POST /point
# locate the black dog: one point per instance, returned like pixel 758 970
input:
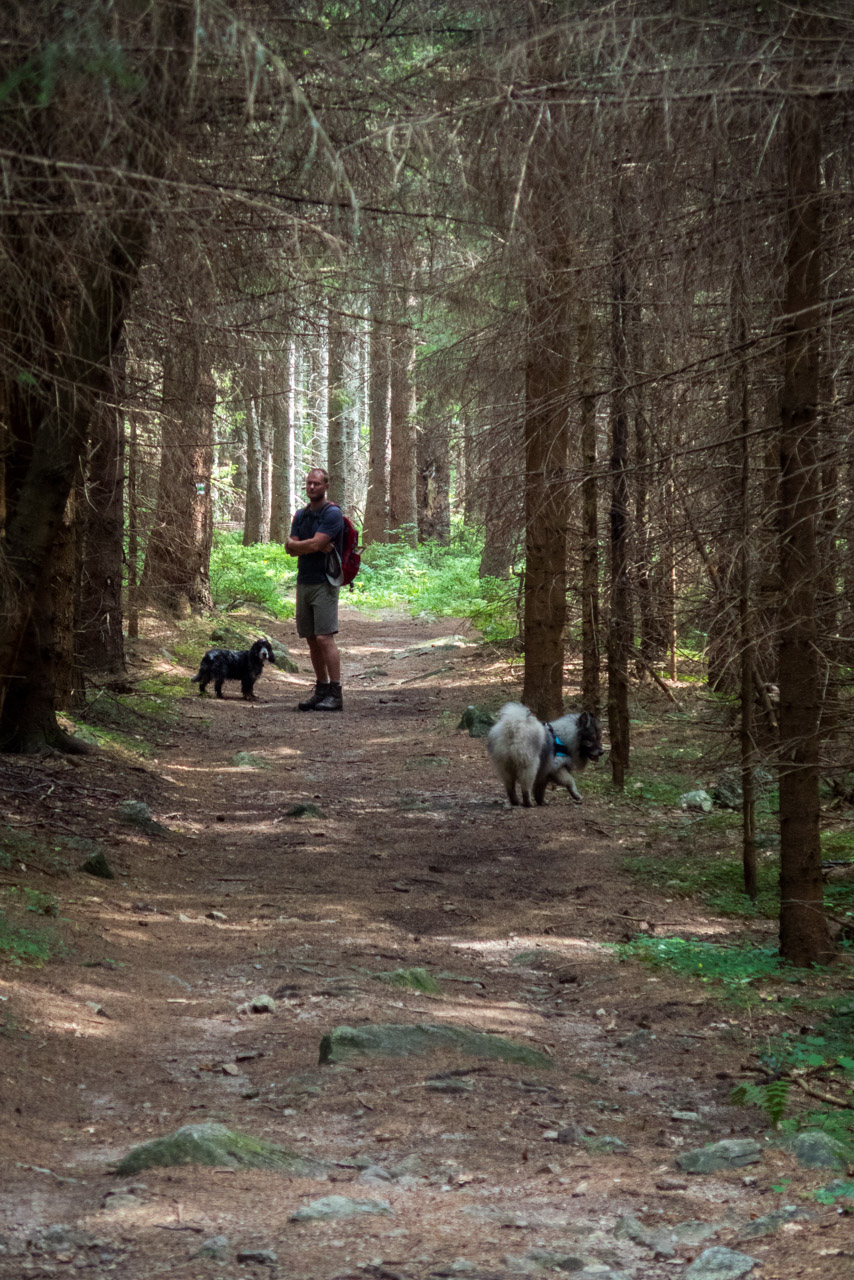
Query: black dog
pixel 244 665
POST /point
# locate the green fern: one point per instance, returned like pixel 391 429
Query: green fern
pixel 772 1097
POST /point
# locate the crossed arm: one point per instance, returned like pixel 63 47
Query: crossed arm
pixel 305 546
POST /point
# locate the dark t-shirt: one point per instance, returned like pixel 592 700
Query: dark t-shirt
pixel 306 523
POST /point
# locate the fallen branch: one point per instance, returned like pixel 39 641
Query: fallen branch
pixel 642 662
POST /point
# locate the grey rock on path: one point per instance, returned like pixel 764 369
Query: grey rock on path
pixel 731 1153
pixel 331 1208
pixel 403 1040
pixel 720 1264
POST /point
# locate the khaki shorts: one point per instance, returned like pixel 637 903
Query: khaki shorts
pixel 317 609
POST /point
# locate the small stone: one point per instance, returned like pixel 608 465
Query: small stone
pixel 216 915
pixel 697 800
pixel 213 1247
pixel 771 1222
pixel 731 1153
pixel 230 1069
pixel 719 1263
pixel 818 1150
pixel 670 1184
pixel 259 1004
pixel 375 1173
pixel 329 1208
pixel 137 814
pixel 261 1257
pixel 98 866
pixel 458 1085
pixel 690 1117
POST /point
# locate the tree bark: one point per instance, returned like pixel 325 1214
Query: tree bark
pixel 99 640
pixel 402 504
pixel 591 693
pixel 252 524
pixel 177 563
pixel 434 482
pixel 804 938
pixel 282 392
pixel 619 604
pixel 546 481
pixel 338 401
pixel 376 502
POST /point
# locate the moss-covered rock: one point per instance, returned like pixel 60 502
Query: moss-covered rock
pixel 477 720
pixel 412 979
pixel 404 1040
pixel 215 1144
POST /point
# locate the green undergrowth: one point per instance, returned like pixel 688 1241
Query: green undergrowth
pixel 263 574
pixel 734 968
pixel 26 944
pixel 442 581
pixel 717 880
pixel 56 854
pixel 821 1053
pixel 25 935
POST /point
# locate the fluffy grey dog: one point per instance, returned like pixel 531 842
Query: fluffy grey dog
pixel 533 754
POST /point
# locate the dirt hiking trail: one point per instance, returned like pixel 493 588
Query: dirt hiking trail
pixel 406 858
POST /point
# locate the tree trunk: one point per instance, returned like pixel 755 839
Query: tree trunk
pixel 177 562
pixel 99 642
pixel 265 441
pixel 133 529
pixel 402 505
pixel 317 399
pixel 804 938
pixel 546 483
pixel 434 482
pixel 252 532
pixel 64 600
pixel 619 605
pixel 337 407
pixel 740 416
pixel 281 386
pixel 62 308
pixel 376 501
pixel 591 693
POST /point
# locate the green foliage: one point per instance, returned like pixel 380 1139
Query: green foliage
pixel 44 904
pixel 717 879
pixel 734 968
pixel 438 580
pixel 771 1097
pixel 841 1189
pixel 27 945
pixel 432 579
pixel 264 574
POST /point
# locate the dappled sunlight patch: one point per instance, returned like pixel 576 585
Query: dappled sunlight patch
pixel 506 948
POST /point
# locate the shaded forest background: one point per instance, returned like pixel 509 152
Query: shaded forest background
pixel 575 282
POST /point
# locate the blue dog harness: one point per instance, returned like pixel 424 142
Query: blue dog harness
pixel 560 748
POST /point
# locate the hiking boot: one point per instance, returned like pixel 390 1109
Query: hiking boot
pixel 320 692
pixel 333 700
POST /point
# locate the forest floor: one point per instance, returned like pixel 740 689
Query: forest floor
pixel 411 859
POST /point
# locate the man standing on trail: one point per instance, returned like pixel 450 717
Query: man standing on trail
pixel 316 530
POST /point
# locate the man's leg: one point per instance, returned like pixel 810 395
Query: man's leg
pixel 318 652
pixel 334 699
pixel 305 628
pixel 325 658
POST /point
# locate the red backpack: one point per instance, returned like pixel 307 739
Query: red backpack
pixel 347 565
